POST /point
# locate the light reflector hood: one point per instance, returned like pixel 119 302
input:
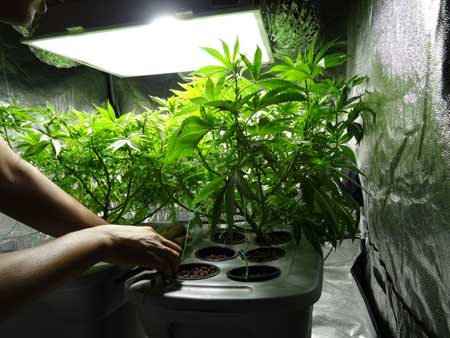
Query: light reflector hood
pixel 166 44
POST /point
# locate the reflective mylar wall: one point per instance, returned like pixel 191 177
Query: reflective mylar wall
pixel 402 46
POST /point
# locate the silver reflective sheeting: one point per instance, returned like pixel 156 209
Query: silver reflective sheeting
pixel 341 311
pixel 402 46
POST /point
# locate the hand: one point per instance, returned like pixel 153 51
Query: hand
pixel 175 233
pixel 142 246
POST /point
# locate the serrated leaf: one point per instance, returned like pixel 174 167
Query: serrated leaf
pixel 243 187
pixel 199 100
pixel 107 113
pixel 249 65
pixel 208 190
pixel 280 69
pixel 281 98
pixel 226 50
pixel 188 136
pixel 276 83
pixel 160 101
pixel 323 50
pixel 235 50
pixel 333 60
pixel 221 104
pixel 56 146
pixel 216 55
pixel 111 111
pixel 210 70
pixel 217 209
pixel 312 50
pixel 209 89
pixel 356 130
pixel 36 149
pixel 219 86
pixel 133 146
pixel 117 145
pixel 257 61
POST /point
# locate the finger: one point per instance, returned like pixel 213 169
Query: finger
pixel 155 261
pixel 178 230
pixel 171 245
pixel 165 241
pixel 170 266
pixel 168 255
pixel 173 231
pixel 180 241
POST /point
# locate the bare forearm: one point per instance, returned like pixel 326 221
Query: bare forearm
pixel 28 196
pixel 29 273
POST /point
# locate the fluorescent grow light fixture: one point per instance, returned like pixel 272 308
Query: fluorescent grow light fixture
pixel 167 44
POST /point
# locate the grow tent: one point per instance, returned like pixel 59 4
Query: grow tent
pixel 402 46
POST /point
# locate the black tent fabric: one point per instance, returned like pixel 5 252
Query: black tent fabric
pixel 29 82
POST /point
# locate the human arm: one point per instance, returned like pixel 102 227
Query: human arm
pixel 29 197
pixel 29 273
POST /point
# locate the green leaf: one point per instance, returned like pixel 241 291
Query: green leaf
pixel 208 190
pixel 221 104
pixel 257 63
pixel 210 70
pixel 107 113
pixel 247 98
pixel 188 136
pixel 219 85
pixel 133 146
pixel 216 55
pixel 36 149
pixel 56 146
pixel 160 101
pixel 288 61
pixel 312 50
pixel 235 50
pixel 280 69
pixel 217 209
pixel 356 130
pixel 249 66
pixel 333 60
pixel 281 98
pixel 209 89
pixel 226 51
pixel 243 187
pixel 199 100
pixel 117 145
pixel 323 50
pixel 272 83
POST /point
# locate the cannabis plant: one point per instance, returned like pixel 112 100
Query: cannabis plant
pixel 266 146
pixel 291 26
pixel 109 163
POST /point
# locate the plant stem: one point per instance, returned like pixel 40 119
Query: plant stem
pixel 205 163
pixel 108 179
pixel 127 199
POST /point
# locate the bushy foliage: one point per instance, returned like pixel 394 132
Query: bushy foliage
pixel 268 146
pixel 291 25
pixel 236 141
pixel 110 164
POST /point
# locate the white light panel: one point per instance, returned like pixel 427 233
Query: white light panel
pixel 165 45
